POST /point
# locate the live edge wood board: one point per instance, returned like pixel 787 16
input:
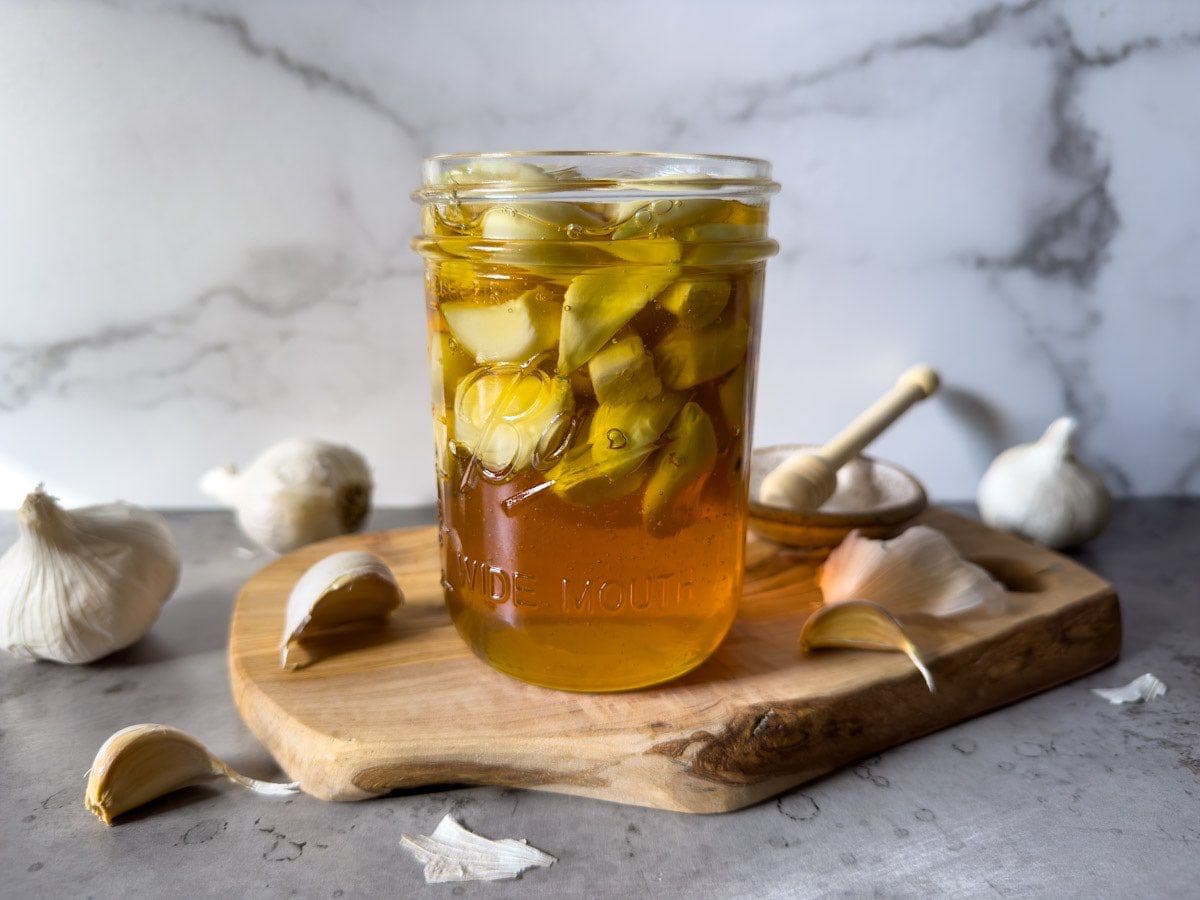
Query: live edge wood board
pixel 412 706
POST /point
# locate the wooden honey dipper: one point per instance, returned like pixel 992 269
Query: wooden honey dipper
pixel 806 480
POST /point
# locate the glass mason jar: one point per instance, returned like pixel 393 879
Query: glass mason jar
pixel 593 331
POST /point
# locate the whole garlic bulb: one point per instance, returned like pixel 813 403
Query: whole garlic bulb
pixel 296 492
pixel 81 584
pixel 1042 492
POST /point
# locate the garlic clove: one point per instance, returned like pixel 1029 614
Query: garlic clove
pixel 83 583
pixel 346 590
pixel 296 492
pixel 1041 491
pixel 144 762
pixel 860 625
pixel 452 853
pixel 918 572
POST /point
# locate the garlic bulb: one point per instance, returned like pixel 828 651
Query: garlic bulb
pixel 144 762
pixel 296 492
pixel 1042 492
pixel 80 584
pixel 346 590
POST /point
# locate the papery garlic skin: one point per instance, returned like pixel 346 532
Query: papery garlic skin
pixel 1042 492
pixel 81 584
pixel 296 492
pixel 919 572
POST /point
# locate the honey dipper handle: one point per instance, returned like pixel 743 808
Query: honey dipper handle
pixel 912 387
pixel 807 479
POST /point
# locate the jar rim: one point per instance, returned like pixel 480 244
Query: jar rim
pixel 596 175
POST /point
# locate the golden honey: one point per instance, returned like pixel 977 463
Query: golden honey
pixel 593 366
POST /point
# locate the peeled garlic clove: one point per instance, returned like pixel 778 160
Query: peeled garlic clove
pixel 686 460
pixel 623 372
pixel 501 414
pixel 696 302
pixel 918 572
pixel 1041 491
pixel 144 762
pixel 598 304
pixel 83 583
pixel 452 853
pixel 345 589
pixel 296 492
pixel 687 356
pixel 513 332
pixel 860 625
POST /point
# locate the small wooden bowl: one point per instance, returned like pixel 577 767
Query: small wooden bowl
pixel 822 531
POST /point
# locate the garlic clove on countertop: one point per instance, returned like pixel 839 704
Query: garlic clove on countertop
pixel 296 492
pixel 1041 491
pixel 345 590
pixel 83 583
pixel 144 762
pixel 919 572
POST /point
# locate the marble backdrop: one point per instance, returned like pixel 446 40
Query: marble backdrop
pixel 204 217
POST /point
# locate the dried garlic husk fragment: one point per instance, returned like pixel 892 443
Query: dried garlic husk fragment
pixel 144 762
pixel 80 584
pixel 347 590
pixel 917 573
pixel 860 625
pixel 452 853
pixel 1142 689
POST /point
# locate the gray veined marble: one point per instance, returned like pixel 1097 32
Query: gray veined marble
pixel 204 243
pixel 1060 794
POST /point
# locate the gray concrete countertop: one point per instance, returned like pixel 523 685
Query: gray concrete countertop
pixel 1059 794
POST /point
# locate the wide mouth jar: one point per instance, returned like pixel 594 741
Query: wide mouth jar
pixel 593 333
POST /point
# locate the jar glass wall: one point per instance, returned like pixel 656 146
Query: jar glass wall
pixel 593 331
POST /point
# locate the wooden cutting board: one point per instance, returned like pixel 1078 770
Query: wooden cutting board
pixel 412 706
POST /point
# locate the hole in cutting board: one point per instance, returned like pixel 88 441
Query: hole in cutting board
pixel 1016 576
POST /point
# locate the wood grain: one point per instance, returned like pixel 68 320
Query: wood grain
pixel 410 705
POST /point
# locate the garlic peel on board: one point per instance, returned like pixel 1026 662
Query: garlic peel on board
pixel 144 762
pixel 83 583
pixel 452 853
pixel 295 492
pixel 869 587
pixel 1041 491
pixel 343 590
pixel 916 573
pixel 860 625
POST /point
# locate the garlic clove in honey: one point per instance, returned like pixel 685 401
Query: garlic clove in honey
pixel 598 304
pixel 296 492
pixel 684 463
pixel 918 572
pixel 83 583
pixel 860 625
pixel 344 591
pixel 144 762
pixel 513 332
pixel 687 357
pixel 1041 491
